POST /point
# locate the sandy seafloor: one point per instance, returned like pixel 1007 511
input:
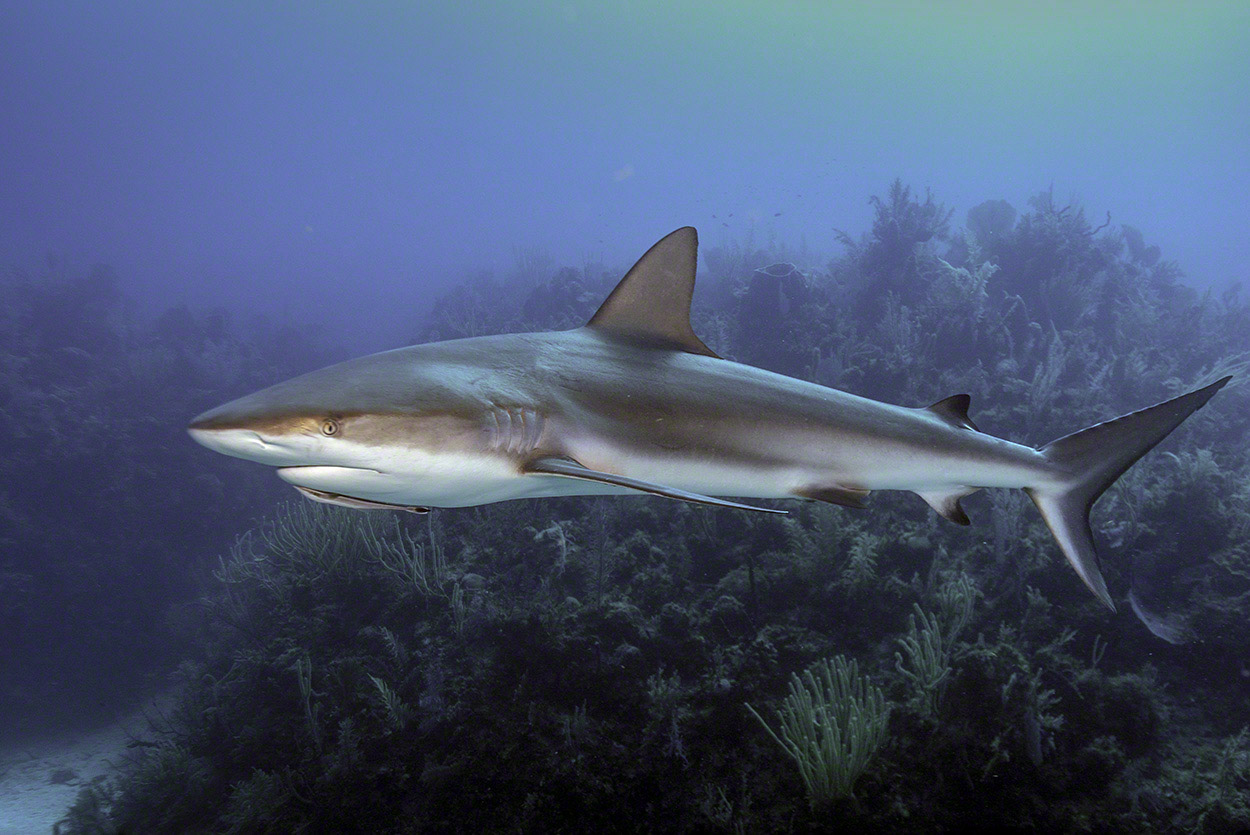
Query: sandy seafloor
pixel 31 798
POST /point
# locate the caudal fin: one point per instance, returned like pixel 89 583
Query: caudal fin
pixel 1088 462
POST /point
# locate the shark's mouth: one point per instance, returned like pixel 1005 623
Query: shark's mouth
pixel 322 476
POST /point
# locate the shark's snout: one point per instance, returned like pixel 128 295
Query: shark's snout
pixel 230 432
pixel 219 417
pixel 241 443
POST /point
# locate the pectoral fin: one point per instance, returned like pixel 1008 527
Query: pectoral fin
pixel 355 503
pixel 568 468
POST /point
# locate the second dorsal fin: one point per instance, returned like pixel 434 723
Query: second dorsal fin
pixel 652 302
pixel 954 410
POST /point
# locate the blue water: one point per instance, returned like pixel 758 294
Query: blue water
pixel 1038 206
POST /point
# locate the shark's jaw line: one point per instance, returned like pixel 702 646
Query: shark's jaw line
pixel 635 402
pixel 328 478
pixel 327 467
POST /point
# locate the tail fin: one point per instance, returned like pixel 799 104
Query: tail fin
pixel 1089 461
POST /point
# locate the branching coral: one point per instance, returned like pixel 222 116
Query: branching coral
pixel 925 660
pixel 832 724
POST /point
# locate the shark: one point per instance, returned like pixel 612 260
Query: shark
pixel 634 402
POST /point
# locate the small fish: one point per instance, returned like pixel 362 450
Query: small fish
pixel 778 214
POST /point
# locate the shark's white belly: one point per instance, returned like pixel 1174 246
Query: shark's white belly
pixel 707 476
pixel 405 477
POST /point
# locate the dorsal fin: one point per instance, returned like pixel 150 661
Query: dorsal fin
pixel 652 301
pixel 954 410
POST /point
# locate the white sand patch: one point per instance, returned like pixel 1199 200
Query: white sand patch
pixel 40 780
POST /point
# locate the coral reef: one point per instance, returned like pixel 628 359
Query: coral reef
pixel 583 664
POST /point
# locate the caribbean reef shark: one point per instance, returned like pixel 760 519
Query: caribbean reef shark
pixel 634 402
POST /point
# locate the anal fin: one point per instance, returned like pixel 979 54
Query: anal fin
pixel 834 494
pixel 568 468
pixel 946 502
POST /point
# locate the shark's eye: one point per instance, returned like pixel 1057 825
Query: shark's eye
pixel 329 426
